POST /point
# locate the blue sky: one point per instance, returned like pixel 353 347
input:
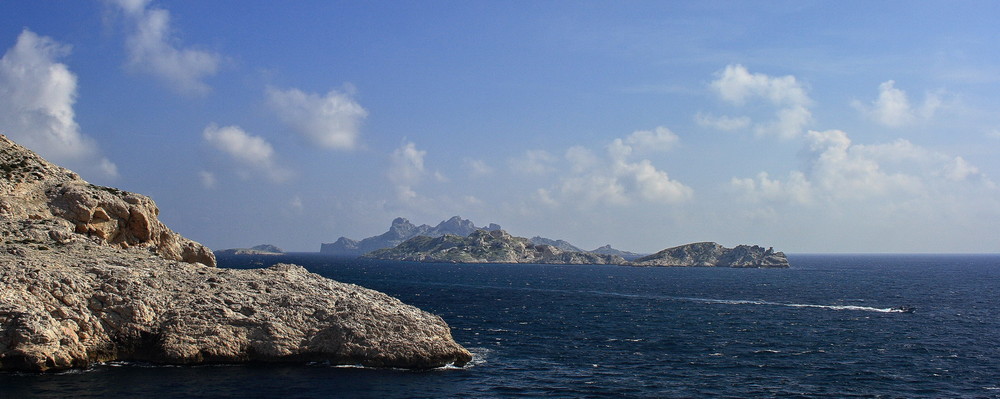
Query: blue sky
pixel 807 126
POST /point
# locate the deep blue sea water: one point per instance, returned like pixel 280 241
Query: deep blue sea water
pixel 823 328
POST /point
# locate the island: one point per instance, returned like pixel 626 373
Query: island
pixel 262 249
pixel 497 246
pixel 89 274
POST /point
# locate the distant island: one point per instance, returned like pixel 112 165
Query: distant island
pixel 401 230
pixel 262 249
pixel 497 246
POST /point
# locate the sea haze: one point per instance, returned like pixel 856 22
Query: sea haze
pixel 824 328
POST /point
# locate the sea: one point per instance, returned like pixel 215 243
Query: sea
pixel 830 326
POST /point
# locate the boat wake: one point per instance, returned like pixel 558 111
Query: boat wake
pixel 900 309
pixel 800 305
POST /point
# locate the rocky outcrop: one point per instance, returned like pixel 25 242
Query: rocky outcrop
pixel 608 250
pixel 713 254
pixel 401 230
pixel 483 246
pixel 32 188
pixel 89 274
pixel 561 244
pixel 262 249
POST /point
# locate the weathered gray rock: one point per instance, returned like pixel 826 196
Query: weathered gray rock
pixel 89 274
pixel 483 246
pixel 713 254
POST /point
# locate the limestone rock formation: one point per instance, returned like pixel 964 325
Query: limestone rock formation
pixel 89 274
pixel 32 188
pixel 483 246
pixel 713 254
pixel 401 230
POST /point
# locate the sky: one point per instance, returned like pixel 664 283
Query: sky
pixel 812 127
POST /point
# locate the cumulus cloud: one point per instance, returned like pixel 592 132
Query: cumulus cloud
pixel 726 123
pixel 616 179
pixel 534 162
pixel 736 85
pixel 331 121
pixel 892 107
pixel 249 151
pixel 207 179
pixel 151 49
pixel 406 169
pixel 839 170
pixel 659 139
pixel 37 94
pixel 478 167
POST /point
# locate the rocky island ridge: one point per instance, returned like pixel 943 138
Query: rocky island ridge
pixel 498 246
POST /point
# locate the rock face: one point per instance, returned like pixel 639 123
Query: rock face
pixel 89 274
pixel 713 254
pixel 34 189
pixel 401 230
pixel 483 246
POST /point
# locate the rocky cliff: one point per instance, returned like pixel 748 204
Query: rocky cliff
pixel 89 274
pixel 484 246
pixel 713 254
pixel 401 230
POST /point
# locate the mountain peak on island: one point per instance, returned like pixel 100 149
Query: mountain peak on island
pixel 401 230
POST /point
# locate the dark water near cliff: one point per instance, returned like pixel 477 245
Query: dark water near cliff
pixel 821 329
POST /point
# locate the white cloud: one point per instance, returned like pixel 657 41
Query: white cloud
pixel 207 179
pixel 151 49
pixel 332 121
pixel 737 85
pixel 296 204
pixel 248 150
pixel 726 123
pixel 580 158
pixel 406 169
pixel 37 94
pixel 839 170
pixel 659 139
pixel 534 162
pixel 478 167
pixel 892 107
pixel 616 180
